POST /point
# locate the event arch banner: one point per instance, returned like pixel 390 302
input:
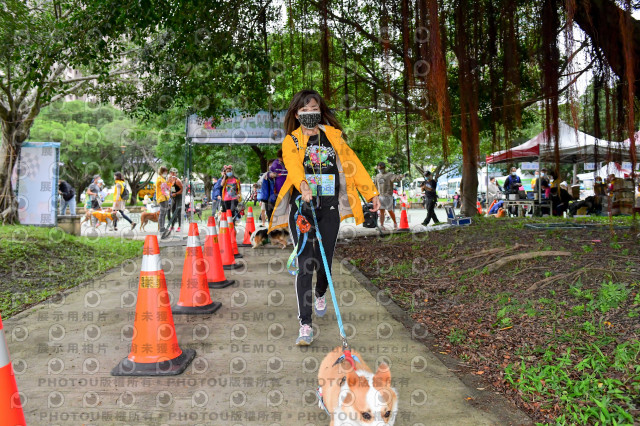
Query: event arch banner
pixel 237 129
pixel 35 179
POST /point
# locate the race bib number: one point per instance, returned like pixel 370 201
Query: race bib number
pixel 325 182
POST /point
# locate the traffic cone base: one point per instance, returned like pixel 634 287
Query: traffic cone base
pixel 221 284
pixel 204 309
pixel 232 266
pixel 171 367
pixel 238 256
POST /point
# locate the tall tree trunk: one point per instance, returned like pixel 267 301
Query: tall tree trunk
pixel 208 186
pixel 261 157
pixel 12 140
pixel 469 120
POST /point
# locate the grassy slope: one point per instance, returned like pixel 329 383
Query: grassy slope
pixel 568 353
pixel 39 262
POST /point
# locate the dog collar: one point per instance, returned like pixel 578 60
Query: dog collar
pixel 346 356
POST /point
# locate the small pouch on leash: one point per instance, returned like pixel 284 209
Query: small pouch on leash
pixel 303 226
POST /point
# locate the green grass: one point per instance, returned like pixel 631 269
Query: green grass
pixel 583 381
pixel 40 262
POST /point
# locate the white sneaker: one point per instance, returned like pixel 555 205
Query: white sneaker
pixel 306 336
pixel 321 306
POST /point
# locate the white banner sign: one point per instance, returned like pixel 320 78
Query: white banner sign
pixel 35 179
pixel 589 166
pixel 238 129
pixel 529 166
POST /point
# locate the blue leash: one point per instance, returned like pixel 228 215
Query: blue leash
pixel 296 252
pixel 345 345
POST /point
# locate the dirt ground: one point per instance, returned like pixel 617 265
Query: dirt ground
pixel 548 317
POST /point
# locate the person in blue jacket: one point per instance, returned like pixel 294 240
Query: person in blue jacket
pixel 268 194
pixel 216 196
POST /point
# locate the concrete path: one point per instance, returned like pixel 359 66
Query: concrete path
pixel 247 369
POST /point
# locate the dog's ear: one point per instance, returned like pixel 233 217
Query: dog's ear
pixel 382 378
pixel 352 378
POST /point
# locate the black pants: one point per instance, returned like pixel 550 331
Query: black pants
pixel 124 216
pixel 311 259
pixel 233 206
pixel 176 212
pixel 431 211
pixel 269 210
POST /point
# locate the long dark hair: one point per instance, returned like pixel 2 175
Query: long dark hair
pixel 301 99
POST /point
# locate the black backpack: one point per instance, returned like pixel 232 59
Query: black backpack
pixel 125 193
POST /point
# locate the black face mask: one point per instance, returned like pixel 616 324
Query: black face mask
pixel 309 120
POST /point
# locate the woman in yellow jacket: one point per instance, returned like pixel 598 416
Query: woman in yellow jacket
pixel 162 197
pixel 119 202
pixel 322 170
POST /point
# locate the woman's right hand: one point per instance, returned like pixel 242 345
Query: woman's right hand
pixel 305 191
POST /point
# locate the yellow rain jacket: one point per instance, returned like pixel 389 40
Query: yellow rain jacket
pixel 160 197
pixel 352 174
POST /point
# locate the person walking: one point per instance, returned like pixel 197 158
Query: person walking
pixel 119 202
pixel 94 193
pixel 429 187
pixel 231 191
pixel 384 182
pixel 175 194
pixel 216 194
pixel 266 186
pixel 67 197
pixel 324 171
pixel 162 197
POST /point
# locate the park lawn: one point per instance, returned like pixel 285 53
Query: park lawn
pixel 40 262
pixel 558 335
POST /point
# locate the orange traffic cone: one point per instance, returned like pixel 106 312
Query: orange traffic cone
pixel 194 291
pixel 234 236
pixel 10 403
pixel 154 348
pixel 249 228
pixel 226 249
pixel 404 222
pixel 215 272
pixel 491 206
pixel 479 207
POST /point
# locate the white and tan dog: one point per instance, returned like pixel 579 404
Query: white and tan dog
pixel 356 397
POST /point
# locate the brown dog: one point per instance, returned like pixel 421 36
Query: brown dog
pixel 146 217
pixel 356 397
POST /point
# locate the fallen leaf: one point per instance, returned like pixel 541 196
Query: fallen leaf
pixel 480 372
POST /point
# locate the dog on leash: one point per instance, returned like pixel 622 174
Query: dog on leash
pixel 107 216
pixel 356 397
pixel 148 217
pixel 277 236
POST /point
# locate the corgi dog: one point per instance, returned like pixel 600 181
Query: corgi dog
pixel 356 397
pixel 277 236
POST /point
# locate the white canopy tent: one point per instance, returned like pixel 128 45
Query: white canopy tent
pixel 574 147
pixel 611 168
